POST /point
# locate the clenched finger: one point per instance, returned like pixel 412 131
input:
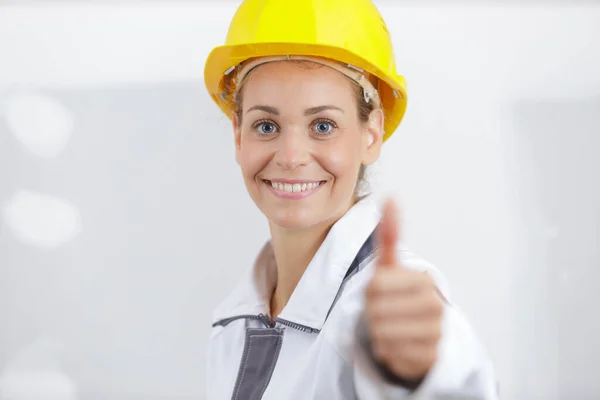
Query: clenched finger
pixel 428 329
pixel 423 304
pixel 398 280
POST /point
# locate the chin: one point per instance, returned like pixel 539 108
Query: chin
pixel 294 219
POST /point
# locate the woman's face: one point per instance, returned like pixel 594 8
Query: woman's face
pixel 300 143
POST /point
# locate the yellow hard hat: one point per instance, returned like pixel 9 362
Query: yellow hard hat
pixel 348 31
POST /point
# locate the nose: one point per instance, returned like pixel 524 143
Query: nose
pixel 293 150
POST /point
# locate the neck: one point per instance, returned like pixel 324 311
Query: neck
pixel 293 250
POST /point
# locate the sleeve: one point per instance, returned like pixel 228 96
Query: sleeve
pixel 463 370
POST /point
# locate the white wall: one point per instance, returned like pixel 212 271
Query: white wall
pixel 115 238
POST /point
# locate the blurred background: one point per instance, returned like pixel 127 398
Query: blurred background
pixel 124 219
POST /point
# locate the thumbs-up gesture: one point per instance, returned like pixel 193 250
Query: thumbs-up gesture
pixel 403 308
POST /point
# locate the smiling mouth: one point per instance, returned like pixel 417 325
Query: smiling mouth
pixel 296 187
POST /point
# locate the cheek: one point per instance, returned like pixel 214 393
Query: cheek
pixel 252 159
pixel 343 162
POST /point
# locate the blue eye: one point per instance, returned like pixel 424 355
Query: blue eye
pixel 266 128
pixel 323 127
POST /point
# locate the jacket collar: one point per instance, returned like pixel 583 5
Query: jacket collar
pixel 315 293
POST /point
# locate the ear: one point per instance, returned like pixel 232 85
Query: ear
pixel 237 136
pixel 373 137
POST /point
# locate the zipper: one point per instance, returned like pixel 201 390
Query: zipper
pixel 272 322
pixel 260 317
pixel 294 325
pixel 268 322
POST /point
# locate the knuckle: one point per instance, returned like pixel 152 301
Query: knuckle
pixel 418 276
pixel 430 333
pixel 408 275
pixel 430 356
pixel 436 336
pixel 436 305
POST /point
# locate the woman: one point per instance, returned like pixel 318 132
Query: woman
pixel 332 308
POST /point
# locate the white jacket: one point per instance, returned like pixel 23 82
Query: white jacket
pixel 313 350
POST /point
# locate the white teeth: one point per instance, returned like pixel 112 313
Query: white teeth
pixel 296 187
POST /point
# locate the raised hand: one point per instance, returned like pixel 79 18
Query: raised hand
pixel 403 308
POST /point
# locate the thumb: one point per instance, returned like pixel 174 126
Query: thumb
pixel 389 234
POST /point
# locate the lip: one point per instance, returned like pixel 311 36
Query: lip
pixel 292 181
pixel 292 195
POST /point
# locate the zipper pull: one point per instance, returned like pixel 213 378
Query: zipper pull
pixel 267 320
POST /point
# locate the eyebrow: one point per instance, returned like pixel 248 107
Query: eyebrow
pixel 267 109
pixel 316 110
pixel 309 111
